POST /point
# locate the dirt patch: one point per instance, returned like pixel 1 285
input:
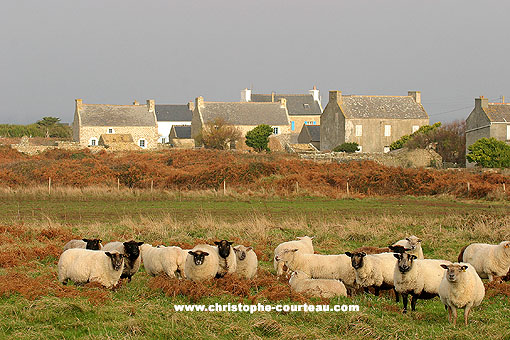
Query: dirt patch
pixel 497 288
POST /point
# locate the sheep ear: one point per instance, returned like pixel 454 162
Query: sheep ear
pixel 205 253
pixel 99 240
pixel 407 239
pixel 348 253
pixel 413 257
pixel 236 250
pixel 397 256
pixel 464 268
pixel 85 239
pixel 139 243
pixel 294 250
pixel 249 248
pixel 230 243
pixel 363 253
pixel 191 253
pixel 217 243
pixel 444 266
pixel 419 240
pixel 507 245
pixel 107 253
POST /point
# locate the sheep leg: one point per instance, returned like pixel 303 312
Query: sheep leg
pixel 491 277
pixel 449 313
pixel 376 291
pixel 404 301
pixel 466 314
pixel 454 315
pixel 414 298
pixel 397 296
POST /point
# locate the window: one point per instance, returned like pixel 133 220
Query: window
pixel 314 122
pixel 508 132
pixel 93 141
pixel 306 106
pixel 292 125
pixel 142 143
pixel 386 149
pixel 387 130
pixel 275 130
pixel 111 130
pixel 415 128
pixel 163 140
pixel 359 130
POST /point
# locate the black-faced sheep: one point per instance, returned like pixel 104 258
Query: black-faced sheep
pixel 85 243
pixel 132 251
pixel 227 259
pixel 201 263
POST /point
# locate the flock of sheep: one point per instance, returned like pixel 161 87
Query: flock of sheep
pixel 401 267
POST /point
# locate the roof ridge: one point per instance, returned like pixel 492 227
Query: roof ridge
pixel 374 95
pixel 248 103
pixel 130 105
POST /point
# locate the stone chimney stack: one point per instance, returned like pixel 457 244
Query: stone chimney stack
pixel 136 102
pixel 416 96
pixel 151 106
pixel 283 103
pixel 335 96
pixel 272 96
pixel 245 95
pixel 79 104
pixel 191 106
pixel 482 103
pixel 199 102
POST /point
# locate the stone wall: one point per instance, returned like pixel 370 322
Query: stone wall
pixel 30 148
pixel 149 133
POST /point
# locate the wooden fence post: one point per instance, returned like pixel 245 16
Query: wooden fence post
pixel 118 184
pixel 504 187
pixel 49 186
pixel 152 185
pixel 348 191
pixel 468 187
pixel 224 187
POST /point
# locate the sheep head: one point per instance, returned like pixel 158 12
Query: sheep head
pixel 223 248
pixel 454 271
pixel 356 259
pixel 198 256
pixel 117 260
pixel 404 261
pixel 92 244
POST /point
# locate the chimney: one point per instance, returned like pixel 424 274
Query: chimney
pixel 335 96
pixel 150 105
pixel 136 102
pixel 416 96
pixel 199 102
pixel 315 93
pixel 245 95
pixel 191 106
pixel 79 104
pixel 272 96
pixel 482 103
pixel 283 103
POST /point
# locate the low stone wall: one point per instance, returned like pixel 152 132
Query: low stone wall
pixel 33 148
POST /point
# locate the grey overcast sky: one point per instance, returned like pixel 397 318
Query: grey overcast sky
pixel 115 51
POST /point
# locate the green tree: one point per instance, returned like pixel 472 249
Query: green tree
pixel 422 131
pixel 347 147
pixel 47 123
pixel 489 153
pixel 218 134
pixel 258 138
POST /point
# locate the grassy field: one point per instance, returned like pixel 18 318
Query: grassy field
pixel 34 227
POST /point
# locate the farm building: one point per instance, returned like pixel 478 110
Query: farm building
pixel 310 134
pixel 180 137
pixel 93 120
pixel 374 122
pixel 170 115
pixel 488 120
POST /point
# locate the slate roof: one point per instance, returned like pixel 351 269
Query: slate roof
pixel 240 113
pixel 173 113
pixel 314 131
pixel 389 107
pixel 297 104
pixel 498 112
pixel 182 131
pixel 116 115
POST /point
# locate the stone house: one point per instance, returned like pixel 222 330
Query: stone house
pixel 374 122
pixel 170 115
pixel 488 120
pixel 91 121
pixel 303 109
pixel 180 137
pixel 243 115
pixel 310 134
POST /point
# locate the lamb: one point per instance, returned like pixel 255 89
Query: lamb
pixel 201 263
pixel 488 260
pixel 157 260
pixel 336 267
pixel 247 261
pixel 133 260
pixel 227 259
pixel 85 243
pixel 301 282
pixel 414 244
pixel 85 265
pixel 374 270
pixel 461 287
pixel 420 278
pixel 303 243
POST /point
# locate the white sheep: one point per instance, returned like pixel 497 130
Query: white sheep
pixel 304 244
pixel 85 243
pixel 375 270
pixel 412 243
pixel 157 260
pixel 460 288
pixel 84 265
pixel 336 267
pixel 247 261
pixel 201 263
pixel 227 263
pixel 488 260
pixel 132 251
pixel 300 282
pixel 420 278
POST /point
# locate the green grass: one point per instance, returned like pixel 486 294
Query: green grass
pixel 136 311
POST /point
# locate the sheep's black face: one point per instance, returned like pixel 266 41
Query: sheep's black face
pixel 92 244
pixel 198 256
pixel 132 249
pixel 405 262
pixel 223 248
pixel 356 259
pixel 241 254
pixel 453 271
pixel 117 260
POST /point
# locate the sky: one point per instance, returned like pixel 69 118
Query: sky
pixel 118 51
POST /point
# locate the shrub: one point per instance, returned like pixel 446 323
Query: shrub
pixel 422 131
pixel 218 134
pixel 347 147
pixel 258 138
pixel 489 153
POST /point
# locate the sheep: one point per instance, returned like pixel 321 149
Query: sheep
pixel 488 260
pixel 300 282
pixel 460 288
pixel 420 278
pixel 303 243
pixel 133 260
pixel 201 263
pixel 85 243
pixel 414 244
pixel 374 270
pixel 157 260
pixel 320 266
pixel 247 261
pixel 227 259
pixel 85 265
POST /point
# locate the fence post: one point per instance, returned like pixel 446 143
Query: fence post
pixel 297 186
pixel 49 186
pixel 118 184
pixel 224 187
pixel 152 185
pixel 348 191
pixel 468 187
pixel 504 187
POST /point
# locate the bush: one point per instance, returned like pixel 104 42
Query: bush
pixel 258 138
pixel 347 147
pixel 489 153
pixel 218 134
pixel 422 131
